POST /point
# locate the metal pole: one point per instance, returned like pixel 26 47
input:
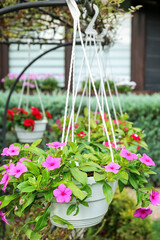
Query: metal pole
pixel 26 5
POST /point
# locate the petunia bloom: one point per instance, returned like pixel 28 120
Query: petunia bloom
pixel 48 115
pixel 28 122
pixel 107 144
pixel 62 194
pixel 55 144
pixel 128 155
pixel 3 216
pixel 18 170
pixel 81 134
pixel 52 163
pixel 5 181
pixel 142 212
pixel 24 159
pixel 135 137
pixel 147 160
pixel 5 152
pixel 154 198
pixel 36 113
pixel 12 150
pixel 8 168
pixel 112 167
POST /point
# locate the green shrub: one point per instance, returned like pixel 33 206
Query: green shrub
pixel 144 111
pixel 119 223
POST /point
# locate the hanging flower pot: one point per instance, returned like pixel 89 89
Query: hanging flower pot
pixel 87 216
pixel 29 125
pixel 29 137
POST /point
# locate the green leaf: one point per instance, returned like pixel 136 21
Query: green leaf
pixel 48 195
pixel 7 199
pixel 123 176
pixel 134 170
pixel 71 209
pixel 150 172
pixel 32 168
pixel 35 150
pixel 90 156
pixel 62 221
pixel 45 176
pixel 107 190
pixel 76 191
pixel 65 150
pixel 35 236
pixel 133 181
pixel 99 177
pixel 28 202
pixel 42 221
pixel 85 112
pixel 121 186
pixel 37 142
pixel 85 204
pixel 28 189
pixel 77 211
pixel 93 123
pixel 67 176
pixel 23 185
pixel 79 175
pixel 73 146
pixel 139 195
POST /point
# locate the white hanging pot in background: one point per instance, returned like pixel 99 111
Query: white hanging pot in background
pixel 87 216
pixel 26 136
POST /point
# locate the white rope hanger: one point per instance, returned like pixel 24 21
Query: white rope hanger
pixel 76 14
pixel 28 89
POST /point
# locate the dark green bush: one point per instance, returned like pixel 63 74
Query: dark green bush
pixel 119 223
pixel 144 111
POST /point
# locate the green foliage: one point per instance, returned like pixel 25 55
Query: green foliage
pixel 143 110
pixel 48 84
pixel 119 222
pixel 122 88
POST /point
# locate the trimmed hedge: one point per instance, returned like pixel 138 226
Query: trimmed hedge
pixel 144 111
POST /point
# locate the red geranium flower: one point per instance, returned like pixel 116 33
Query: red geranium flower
pixel 10 114
pixel 81 134
pixel 29 123
pixel 48 114
pixel 135 137
pixel 36 113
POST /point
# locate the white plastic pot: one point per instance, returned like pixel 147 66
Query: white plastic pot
pixel 26 136
pixel 87 216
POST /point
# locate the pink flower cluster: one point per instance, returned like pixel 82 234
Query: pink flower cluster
pixel 55 144
pixel 128 155
pixel 112 167
pixel 11 169
pixel 52 163
pixel 107 144
pixel 11 151
pixel 62 194
pixel 3 216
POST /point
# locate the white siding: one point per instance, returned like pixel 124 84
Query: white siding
pixel 116 58
pixel 52 62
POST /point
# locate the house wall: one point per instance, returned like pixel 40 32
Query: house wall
pixel 116 58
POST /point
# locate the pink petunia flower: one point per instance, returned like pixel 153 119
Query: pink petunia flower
pixel 3 216
pixel 24 159
pixel 12 150
pixel 112 167
pixel 55 144
pixel 8 168
pixel 154 198
pixel 52 163
pixel 142 212
pixel 128 155
pixel 147 160
pixel 5 152
pixel 107 144
pixel 18 170
pixel 5 181
pixel 62 194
